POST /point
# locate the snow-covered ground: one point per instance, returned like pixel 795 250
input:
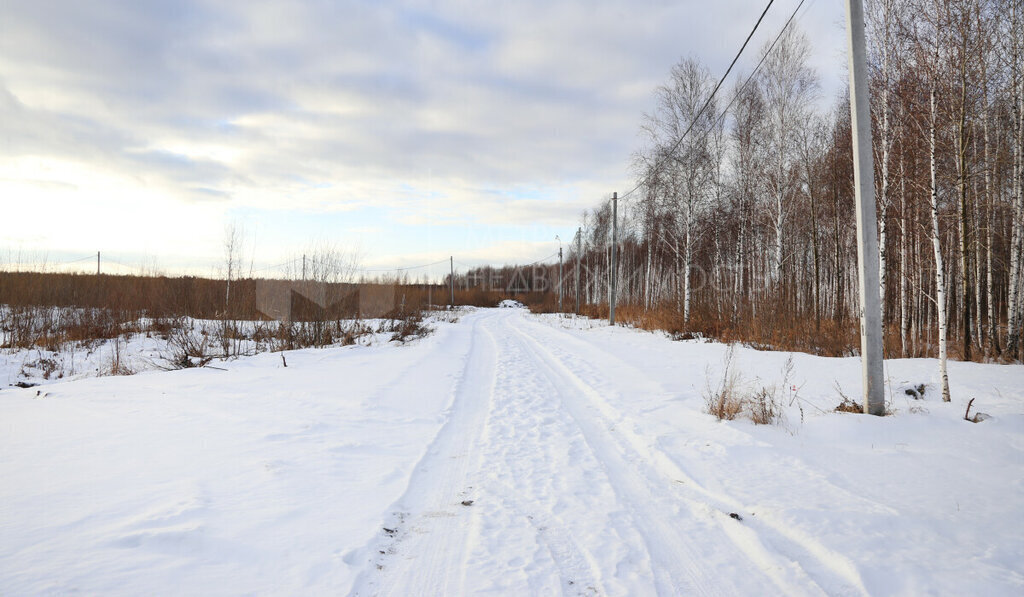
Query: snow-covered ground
pixel 148 351
pixel 511 454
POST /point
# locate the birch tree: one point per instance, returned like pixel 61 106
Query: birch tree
pixel 767 215
pixel 680 134
pixel 1013 303
pixel 789 86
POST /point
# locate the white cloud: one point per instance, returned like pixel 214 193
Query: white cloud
pixel 441 112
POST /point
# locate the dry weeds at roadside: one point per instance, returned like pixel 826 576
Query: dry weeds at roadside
pixel 729 399
pixel 849 406
pixel 118 365
pixel 770 330
pixel 724 401
pixel 62 316
pixel 763 407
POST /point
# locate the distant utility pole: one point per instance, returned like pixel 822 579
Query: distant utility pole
pixel 867 222
pixel 559 278
pixel 615 235
pixel 97 263
pixel 303 267
pixel 579 244
pixel 451 280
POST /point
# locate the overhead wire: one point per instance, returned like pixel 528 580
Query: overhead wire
pixel 75 260
pixel 761 62
pixel 401 269
pixel 260 269
pixel 125 265
pixel 555 254
pixel 703 108
pixel 738 91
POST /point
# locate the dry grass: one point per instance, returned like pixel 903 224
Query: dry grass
pixel 729 399
pixel 849 406
pixel 768 330
pixel 724 400
pixel 725 406
pixel 763 407
pixel 58 312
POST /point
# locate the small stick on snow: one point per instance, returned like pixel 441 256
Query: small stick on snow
pixel 968 411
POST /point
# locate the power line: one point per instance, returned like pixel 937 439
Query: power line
pixel 402 269
pixel 132 267
pixel 700 113
pixel 761 62
pixel 739 91
pixel 260 269
pixel 75 260
pixel 555 254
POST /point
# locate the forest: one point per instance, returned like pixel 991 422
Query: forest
pixel 741 224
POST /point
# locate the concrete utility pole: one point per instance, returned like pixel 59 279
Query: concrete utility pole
pixel 97 263
pixel 579 246
pixel 451 279
pixel 615 236
pixel 867 222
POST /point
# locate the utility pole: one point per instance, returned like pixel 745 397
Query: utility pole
pixel 579 246
pixel 867 222
pixel 615 236
pixel 303 267
pixel 97 263
pixel 559 278
pixel 451 278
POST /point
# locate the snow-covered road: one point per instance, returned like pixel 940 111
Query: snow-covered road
pixel 508 454
pixel 568 497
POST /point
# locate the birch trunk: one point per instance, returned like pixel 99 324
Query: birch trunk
pixel 686 271
pixel 648 282
pixel 904 271
pixel 940 281
pixel 777 262
pixel 883 196
pixel 1017 236
pixel 814 242
pixel 993 338
pixel 965 260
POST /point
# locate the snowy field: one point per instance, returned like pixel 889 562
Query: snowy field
pixel 511 454
pixel 148 351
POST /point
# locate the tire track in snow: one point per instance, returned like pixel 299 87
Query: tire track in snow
pixel 529 476
pixel 576 567
pixel 426 552
pixel 762 539
pixel 676 562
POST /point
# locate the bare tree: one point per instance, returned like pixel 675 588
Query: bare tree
pixel 1014 303
pixel 790 87
pixel 680 135
pixel 234 236
pixel 884 18
pixel 764 208
pixel 748 143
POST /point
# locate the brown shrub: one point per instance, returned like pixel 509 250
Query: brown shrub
pixel 849 406
pixel 763 407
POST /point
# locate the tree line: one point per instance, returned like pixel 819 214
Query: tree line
pixel 743 215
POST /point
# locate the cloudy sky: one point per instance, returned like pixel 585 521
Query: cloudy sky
pixel 406 131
